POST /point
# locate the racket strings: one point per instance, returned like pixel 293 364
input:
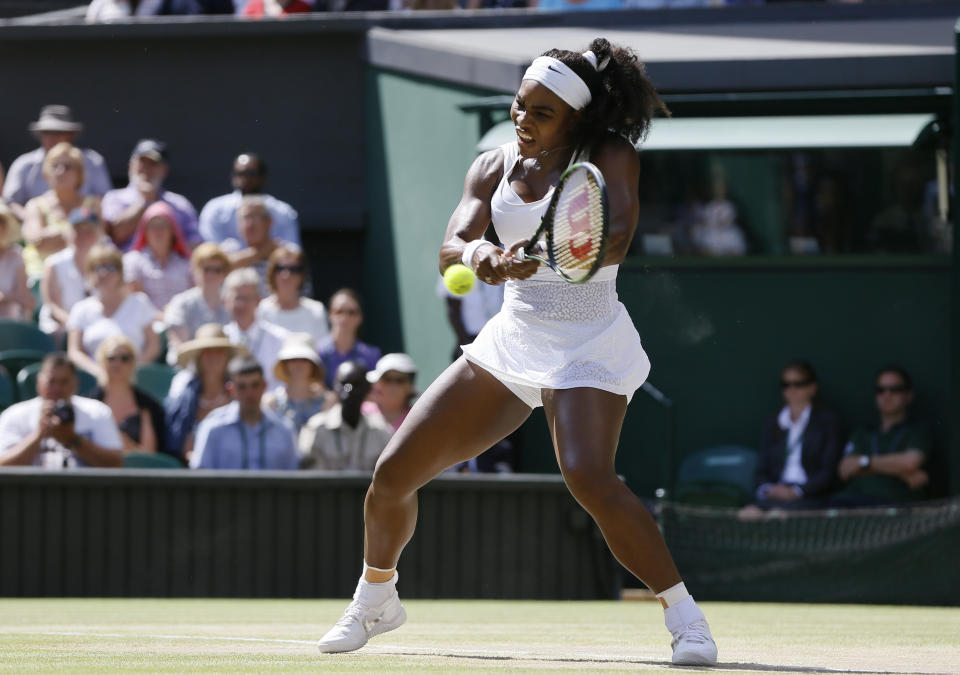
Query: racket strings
pixel 578 227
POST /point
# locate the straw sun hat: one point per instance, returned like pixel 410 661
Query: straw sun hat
pixel 208 336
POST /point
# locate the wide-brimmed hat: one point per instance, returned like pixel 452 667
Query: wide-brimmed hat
pixel 55 118
pixel 12 233
pixel 397 361
pixel 208 336
pixel 299 346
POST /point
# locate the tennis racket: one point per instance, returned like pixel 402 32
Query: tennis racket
pixel 572 236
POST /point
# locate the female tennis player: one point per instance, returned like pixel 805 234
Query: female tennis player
pixel 571 348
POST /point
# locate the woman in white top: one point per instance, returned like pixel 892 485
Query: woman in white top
pixel 16 302
pixel 569 347
pixel 286 307
pixel 111 310
pixel 64 284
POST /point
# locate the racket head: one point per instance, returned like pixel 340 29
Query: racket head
pixel 577 223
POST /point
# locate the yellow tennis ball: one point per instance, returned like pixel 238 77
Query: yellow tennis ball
pixel 459 279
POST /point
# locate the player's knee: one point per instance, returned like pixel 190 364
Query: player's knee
pixel 390 480
pixel 587 481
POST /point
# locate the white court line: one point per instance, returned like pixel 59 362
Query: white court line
pixel 384 648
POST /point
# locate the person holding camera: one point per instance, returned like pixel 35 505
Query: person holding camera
pixel 59 429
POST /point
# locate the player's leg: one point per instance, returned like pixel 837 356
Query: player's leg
pixel 465 411
pixel 585 426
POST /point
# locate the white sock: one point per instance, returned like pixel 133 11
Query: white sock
pixel 375 593
pixel 673 595
pixel 682 614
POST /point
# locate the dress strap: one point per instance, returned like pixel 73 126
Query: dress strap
pixel 510 154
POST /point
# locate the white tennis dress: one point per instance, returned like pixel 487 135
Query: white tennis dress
pixel 549 333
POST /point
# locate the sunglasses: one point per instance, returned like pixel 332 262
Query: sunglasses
pixel 122 358
pixel 348 312
pixel 247 173
pixel 292 269
pixel 395 379
pixel 898 389
pixel 795 384
pixel 105 268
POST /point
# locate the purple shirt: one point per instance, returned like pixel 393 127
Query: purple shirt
pixel 366 355
pixel 115 202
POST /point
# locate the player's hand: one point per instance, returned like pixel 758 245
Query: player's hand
pixel 517 267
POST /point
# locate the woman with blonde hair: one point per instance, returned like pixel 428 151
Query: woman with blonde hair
pixel 192 308
pixel 138 416
pixel 112 310
pixel 16 302
pixel 46 223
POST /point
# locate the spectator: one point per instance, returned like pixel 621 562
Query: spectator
pixel 575 5
pixel 467 314
pixel 58 429
pixel 158 260
pixel 885 465
pixel 111 310
pixel 218 219
pixel 102 11
pixel 346 317
pixel 16 301
pixel 800 446
pixel 192 308
pixel 264 340
pixel 392 393
pixel 139 418
pixel 244 434
pixel 301 394
pixel 26 179
pixel 255 221
pixel 63 284
pixel 123 208
pixel 200 387
pixel 274 8
pixel 718 233
pixel 46 220
pixel 343 438
pixel 287 307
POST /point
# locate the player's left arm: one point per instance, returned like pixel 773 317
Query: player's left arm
pixel 618 162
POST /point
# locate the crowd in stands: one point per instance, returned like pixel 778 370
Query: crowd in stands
pixel 114 10
pixel 258 374
pixel 807 460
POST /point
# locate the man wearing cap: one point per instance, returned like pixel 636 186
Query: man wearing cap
pixel 25 179
pixel 343 438
pixel 123 208
pixel 218 219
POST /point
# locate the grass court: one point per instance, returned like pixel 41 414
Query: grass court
pixel 151 635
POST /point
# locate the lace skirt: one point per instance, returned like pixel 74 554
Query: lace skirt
pixel 554 335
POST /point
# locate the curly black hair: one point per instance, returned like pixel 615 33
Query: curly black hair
pixel 623 99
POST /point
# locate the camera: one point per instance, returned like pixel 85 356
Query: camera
pixel 63 410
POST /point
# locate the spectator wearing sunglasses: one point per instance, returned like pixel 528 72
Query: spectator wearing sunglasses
pixel 139 418
pixel 286 306
pixel 218 219
pixel 885 465
pixel 800 446
pixel 112 309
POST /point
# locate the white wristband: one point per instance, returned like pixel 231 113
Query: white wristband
pixel 470 250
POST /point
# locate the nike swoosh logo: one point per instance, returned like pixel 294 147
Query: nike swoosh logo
pixel 549 67
pixel 370 623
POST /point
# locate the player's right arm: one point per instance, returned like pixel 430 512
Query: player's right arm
pixel 470 220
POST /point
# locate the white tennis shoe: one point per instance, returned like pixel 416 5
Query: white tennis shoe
pixel 360 622
pixel 693 645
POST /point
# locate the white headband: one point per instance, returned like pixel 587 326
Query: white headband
pixel 561 80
